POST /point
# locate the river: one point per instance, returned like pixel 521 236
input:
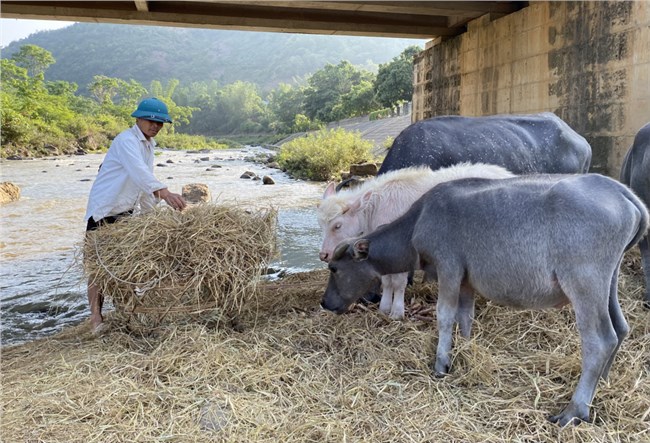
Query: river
pixel 42 288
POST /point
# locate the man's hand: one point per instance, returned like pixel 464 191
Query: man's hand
pixel 176 201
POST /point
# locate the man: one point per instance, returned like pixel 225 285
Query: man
pixel 125 183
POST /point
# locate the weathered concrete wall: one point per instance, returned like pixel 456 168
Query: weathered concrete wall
pixel 588 62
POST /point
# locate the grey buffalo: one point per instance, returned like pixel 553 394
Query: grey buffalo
pixel 348 213
pixel 636 174
pixel 530 242
pixel 523 144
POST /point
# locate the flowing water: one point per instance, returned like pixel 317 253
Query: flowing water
pixel 42 288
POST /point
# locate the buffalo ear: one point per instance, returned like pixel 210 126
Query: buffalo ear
pixel 340 251
pixel 360 249
pixel 330 190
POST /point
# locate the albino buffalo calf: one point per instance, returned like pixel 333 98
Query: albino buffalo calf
pixel 532 242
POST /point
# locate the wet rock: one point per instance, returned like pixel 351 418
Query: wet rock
pixel 9 192
pixel 216 166
pixel 162 165
pixel 268 180
pixel 85 180
pixel 196 193
pixel 170 161
pixel 248 175
pixel 14 157
pixel 273 165
pixel 205 159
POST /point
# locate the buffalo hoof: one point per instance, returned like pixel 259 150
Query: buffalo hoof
pixel 571 415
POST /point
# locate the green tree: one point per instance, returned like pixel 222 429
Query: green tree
pixel 359 101
pixel 394 81
pixel 34 59
pixel 243 108
pixel 327 86
pixel 284 104
pixel 180 114
pixel 115 91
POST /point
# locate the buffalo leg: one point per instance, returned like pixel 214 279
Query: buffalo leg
pixel 446 311
pixel 618 320
pixel 465 314
pixel 598 340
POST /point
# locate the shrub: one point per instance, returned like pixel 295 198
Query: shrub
pixel 186 142
pixel 322 155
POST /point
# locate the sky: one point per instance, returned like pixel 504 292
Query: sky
pixel 12 29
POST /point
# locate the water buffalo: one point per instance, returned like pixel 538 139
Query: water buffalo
pixel 636 174
pixel 357 211
pixel 533 242
pixel 523 144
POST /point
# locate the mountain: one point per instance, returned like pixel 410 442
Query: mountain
pixel 146 53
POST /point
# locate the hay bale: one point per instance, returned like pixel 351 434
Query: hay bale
pixel 206 258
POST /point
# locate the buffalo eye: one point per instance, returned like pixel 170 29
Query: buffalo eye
pixel 337 226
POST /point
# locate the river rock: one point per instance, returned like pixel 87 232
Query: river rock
pixel 268 180
pixel 248 174
pixel 9 192
pixel 196 193
pixel 363 169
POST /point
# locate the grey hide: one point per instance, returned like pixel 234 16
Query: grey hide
pixel 523 144
pixel 636 174
pixel 530 242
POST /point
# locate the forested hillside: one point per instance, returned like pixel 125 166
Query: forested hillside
pixel 143 53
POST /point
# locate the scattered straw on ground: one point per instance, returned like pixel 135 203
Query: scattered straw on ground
pixel 293 373
pixel 208 257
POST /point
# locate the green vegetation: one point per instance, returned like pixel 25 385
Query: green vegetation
pixel 395 79
pixel 51 117
pixel 188 142
pixel 144 53
pixel 42 117
pixel 324 154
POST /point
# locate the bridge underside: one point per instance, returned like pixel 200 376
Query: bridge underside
pixel 407 19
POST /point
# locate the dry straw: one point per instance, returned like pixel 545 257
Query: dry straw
pixel 167 263
pixel 294 373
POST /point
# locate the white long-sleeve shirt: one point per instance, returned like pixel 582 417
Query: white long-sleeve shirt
pixel 125 180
